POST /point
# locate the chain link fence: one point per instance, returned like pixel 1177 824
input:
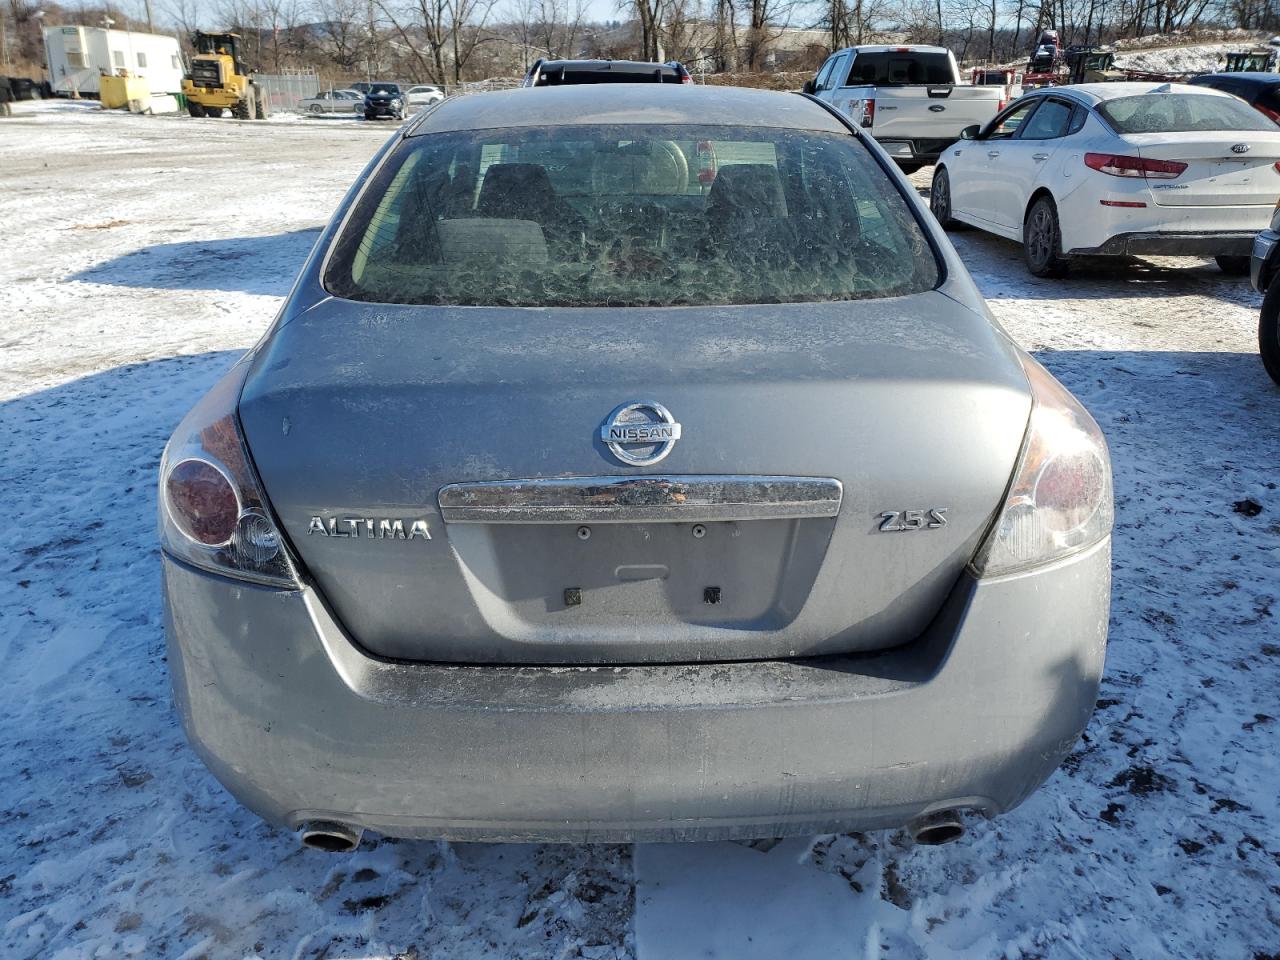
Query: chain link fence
pixel 285 91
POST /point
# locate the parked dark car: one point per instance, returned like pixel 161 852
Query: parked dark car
pixel 554 73
pixel 1260 90
pixel 1264 271
pixel 384 100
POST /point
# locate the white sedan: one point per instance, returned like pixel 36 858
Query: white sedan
pixel 1119 169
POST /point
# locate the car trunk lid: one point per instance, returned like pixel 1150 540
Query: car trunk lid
pixel 790 517
pixel 1224 168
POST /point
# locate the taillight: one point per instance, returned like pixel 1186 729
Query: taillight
pixel 202 501
pixel 213 514
pixel 1117 165
pixel 1060 501
pixel 864 111
pixel 1267 112
pixel 1001 104
pixel 686 79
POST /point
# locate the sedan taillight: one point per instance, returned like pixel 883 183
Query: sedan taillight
pixel 1117 165
pixel 213 513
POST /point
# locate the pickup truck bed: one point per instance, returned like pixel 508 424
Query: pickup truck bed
pixel 908 98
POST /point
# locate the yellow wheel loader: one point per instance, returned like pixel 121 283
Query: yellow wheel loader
pixel 218 80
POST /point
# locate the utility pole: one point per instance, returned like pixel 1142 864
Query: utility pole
pixel 151 27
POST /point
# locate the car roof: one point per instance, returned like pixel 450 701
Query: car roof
pixel 620 65
pixel 1249 76
pixel 1094 93
pixel 627 103
pixel 896 48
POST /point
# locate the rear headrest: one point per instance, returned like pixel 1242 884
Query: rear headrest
pixel 746 188
pixel 511 187
pixel 476 240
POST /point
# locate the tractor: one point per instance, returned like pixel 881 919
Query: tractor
pixel 1252 61
pixel 218 80
pixel 1093 65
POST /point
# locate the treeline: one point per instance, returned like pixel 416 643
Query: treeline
pixel 451 41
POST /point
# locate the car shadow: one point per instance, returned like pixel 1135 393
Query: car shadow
pixel 112 815
pixel 259 265
pixel 997 265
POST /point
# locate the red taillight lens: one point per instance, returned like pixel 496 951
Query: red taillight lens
pixel 1069 489
pixel 868 112
pixel 1116 165
pixel 1000 105
pixel 686 79
pixel 203 502
pixel 1267 112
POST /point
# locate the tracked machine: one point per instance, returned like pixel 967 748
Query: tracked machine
pixel 218 80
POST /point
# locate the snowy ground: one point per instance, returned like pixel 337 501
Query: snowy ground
pixel 141 255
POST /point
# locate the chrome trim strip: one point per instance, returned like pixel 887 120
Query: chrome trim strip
pixel 669 499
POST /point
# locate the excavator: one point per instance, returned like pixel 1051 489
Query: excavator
pixel 218 80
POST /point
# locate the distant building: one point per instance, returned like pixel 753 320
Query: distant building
pixel 77 56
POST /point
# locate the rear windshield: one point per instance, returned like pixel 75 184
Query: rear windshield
pixel 889 68
pixel 554 76
pixel 384 88
pixel 583 216
pixel 1181 113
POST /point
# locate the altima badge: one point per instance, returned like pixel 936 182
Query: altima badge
pixel 371 528
pixel 640 433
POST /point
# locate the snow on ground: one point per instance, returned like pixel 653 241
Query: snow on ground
pixel 1192 58
pixel 142 255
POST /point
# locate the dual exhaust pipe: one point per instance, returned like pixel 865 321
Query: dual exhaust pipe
pixel 931 830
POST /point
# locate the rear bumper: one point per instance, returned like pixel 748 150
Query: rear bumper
pixel 1264 261
pixel 300 724
pixel 916 150
pixel 1173 244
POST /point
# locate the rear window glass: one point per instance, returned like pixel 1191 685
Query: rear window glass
pixel 889 68
pixel 554 76
pixel 630 216
pixel 1181 113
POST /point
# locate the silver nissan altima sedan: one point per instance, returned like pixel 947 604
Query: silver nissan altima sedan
pixel 634 463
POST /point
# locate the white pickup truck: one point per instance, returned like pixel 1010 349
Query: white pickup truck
pixel 908 98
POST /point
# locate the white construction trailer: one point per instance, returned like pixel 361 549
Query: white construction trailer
pixel 78 56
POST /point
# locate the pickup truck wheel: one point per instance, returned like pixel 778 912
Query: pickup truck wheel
pixel 1269 331
pixel 1233 266
pixel 1042 240
pixel 940 198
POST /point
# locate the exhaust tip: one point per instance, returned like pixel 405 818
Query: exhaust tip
pixel 330 837
pixel 935 829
